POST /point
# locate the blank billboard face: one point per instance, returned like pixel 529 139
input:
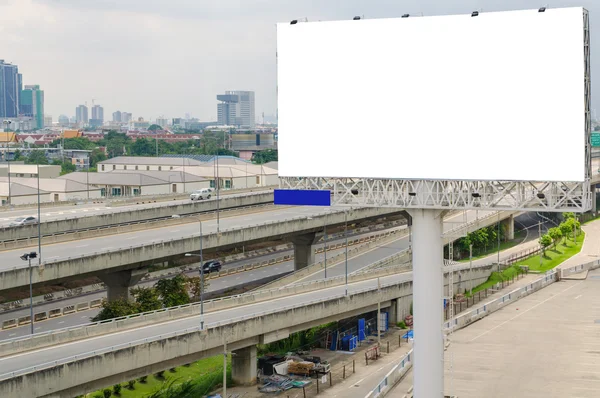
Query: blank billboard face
pixel 499 96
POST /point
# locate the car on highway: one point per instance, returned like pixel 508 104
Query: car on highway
pixel 17 222
pixel 211 266
pixel 204 193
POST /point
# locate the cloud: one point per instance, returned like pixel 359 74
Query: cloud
pixel 156 57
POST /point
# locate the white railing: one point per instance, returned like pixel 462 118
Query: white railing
pixel 393 375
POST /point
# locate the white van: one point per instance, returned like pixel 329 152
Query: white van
pixel 204 193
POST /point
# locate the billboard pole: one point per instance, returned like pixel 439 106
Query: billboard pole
pixel 428 299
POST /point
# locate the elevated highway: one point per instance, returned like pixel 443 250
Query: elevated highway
pixel 119 259
pixel 108 353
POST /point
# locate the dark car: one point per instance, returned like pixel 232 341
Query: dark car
pixel 211 266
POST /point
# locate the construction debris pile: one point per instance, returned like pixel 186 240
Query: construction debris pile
pixel 279 373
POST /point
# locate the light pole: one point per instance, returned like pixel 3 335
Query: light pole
pixel 325 243
pixel 28 257
pixel 540 241
pixel 7 156
pixel 471 268
pixel 498 233
pixel 201 279
pixel 39 221
pixel 346 242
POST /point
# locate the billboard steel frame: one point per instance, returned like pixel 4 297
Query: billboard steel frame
pixel 426 202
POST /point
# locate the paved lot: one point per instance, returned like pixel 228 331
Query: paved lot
pixel 545 345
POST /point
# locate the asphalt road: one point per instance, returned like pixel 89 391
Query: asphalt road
pixel 93 209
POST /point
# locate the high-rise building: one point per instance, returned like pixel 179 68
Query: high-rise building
pixel 63 120
pixel 11 83
pixel 32 104
pixel 47 120
pixel 98 113
pixel 162 121
pixel 236 109
pixel 81 113
pixel 125 117
pixel 116 116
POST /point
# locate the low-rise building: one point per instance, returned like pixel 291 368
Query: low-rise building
pixel 25 190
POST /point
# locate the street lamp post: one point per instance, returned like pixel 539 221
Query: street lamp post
pixel 39 221
pixel 346 242
pixel 6 156
pixel 471 268
pixel 325 244
pixel 28 257
pixel 201 279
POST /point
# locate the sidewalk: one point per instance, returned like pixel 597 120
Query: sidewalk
pixel 402 388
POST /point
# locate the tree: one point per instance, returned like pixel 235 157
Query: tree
pixel 96 156
pixel 193 286
pixel 173 291
pixel 154 127
pixel 73 143
pixel 146 298
pixel 116 309
pixel 268 155
pixel 143 147
pixel 565 228
pixel 65 167
pixel 19 155
pixel 555 234
pixel 566 216
pixel 545 241
pixel 37 157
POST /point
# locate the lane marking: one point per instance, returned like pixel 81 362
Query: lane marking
pixel 577 297
pixel 82 246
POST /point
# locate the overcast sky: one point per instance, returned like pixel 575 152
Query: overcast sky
pixel 171 57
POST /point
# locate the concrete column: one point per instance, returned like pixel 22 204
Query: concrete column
pixel 594 200
pixel 118 283
pixel 243 366
pixel 509 227
pixel 393 313
pixel 304 253
pixel 428 285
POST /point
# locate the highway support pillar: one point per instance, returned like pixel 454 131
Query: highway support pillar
pixel 393 313
pixel 428 287
pixel 243 366
pixel 118 283
pixel 304 253
pixel 509 228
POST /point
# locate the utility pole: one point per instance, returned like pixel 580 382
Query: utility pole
pixel 324 243
pixel 224 368
pixel 540 238
pixel 346 242
pixel 471 268
pixel 378 313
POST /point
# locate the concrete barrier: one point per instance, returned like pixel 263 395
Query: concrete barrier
pixel 24 320
pixel 393 376
pixel 82 306
pixel 40 316
pixel 69 309
pixel 9 323
pixel 55 312
pixel 95 303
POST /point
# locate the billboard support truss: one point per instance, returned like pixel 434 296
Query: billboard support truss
pixel 429 194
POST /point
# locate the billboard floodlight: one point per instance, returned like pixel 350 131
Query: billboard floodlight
pixel 293 22
pixel 405 15
pixel 542 9
pixel 357 18
pixel 475 13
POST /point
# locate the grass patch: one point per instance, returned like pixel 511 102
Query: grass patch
pixel 494 249
pixel 207 374
pixel 498 277
pixel 554 257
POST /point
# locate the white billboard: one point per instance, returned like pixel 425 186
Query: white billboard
pixel 499 96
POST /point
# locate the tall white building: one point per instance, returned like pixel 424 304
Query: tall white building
pixel 82 115
pixel 236 108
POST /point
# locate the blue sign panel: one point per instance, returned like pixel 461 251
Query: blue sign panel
pixel 300 197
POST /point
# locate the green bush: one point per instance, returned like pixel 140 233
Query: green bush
pixel 401 325
pixel 131 384
pixel 107 393
pixel 117 389
pixel 411 307
pixel 143 379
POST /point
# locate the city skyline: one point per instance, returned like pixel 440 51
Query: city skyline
pixel 159 62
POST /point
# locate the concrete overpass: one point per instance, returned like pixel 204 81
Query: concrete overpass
pixel 103 354
pixel 119 262
pixel 82 221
